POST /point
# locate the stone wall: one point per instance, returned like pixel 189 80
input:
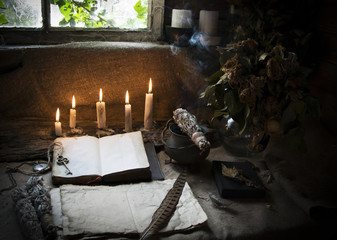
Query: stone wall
pixel 36 80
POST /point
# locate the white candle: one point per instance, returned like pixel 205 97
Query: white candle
pixel 148 107
pixel 181 18
pixel 128 116
pixel 72 118
pixel 208 22
pixel 58 126
pixel 100 110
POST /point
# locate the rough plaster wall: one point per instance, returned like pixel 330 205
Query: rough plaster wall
pixel 50 75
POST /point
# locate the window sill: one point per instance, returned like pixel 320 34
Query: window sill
pixel 57 37
pixel 97 45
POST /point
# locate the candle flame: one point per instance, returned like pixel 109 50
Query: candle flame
pixel 57 115
pixel 73 102
pixel 100 95
pixel 150 86
pixel 127 97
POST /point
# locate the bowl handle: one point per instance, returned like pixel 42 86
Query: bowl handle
pixel 170 121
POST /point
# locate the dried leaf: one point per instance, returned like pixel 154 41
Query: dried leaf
pixel 235 174
pixel 214 77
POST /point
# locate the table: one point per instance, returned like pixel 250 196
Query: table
pixel 275 216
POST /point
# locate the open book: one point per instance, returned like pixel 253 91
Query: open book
pixel 116 158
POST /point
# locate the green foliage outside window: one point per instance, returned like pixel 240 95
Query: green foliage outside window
pixel 82 12
pixel 75 13
pixel 87 12
pixel 3 19
pixel 20 13
pixel 141 10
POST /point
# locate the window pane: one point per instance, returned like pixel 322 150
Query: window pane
pixel 21 13
pixel 128 14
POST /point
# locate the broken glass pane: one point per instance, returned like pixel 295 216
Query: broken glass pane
pixel 120 14
pixel 22 13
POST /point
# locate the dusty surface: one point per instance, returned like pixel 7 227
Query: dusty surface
pixel 295 183
pixel 275 216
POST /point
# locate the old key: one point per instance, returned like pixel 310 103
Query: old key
pixel 63 161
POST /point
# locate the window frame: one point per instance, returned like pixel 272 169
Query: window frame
pixel 57 35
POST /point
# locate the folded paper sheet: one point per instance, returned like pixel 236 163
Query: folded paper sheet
pixel 123 209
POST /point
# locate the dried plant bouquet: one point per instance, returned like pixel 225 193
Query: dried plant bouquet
pixel 262 91
pixel 262 87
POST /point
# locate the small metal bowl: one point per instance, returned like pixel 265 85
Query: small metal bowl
pixel 180 147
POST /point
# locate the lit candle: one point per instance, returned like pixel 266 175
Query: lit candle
pixel 148 107
pixel 100 109
pixel 72 119
pixel 58 127
pixel 128 118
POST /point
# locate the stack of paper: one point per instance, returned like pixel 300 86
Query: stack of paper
pixel 122 209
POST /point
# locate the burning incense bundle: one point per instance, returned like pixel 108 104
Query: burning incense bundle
pixel 187 123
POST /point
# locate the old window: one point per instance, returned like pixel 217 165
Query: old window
pixel 21 13
pixel 84 20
